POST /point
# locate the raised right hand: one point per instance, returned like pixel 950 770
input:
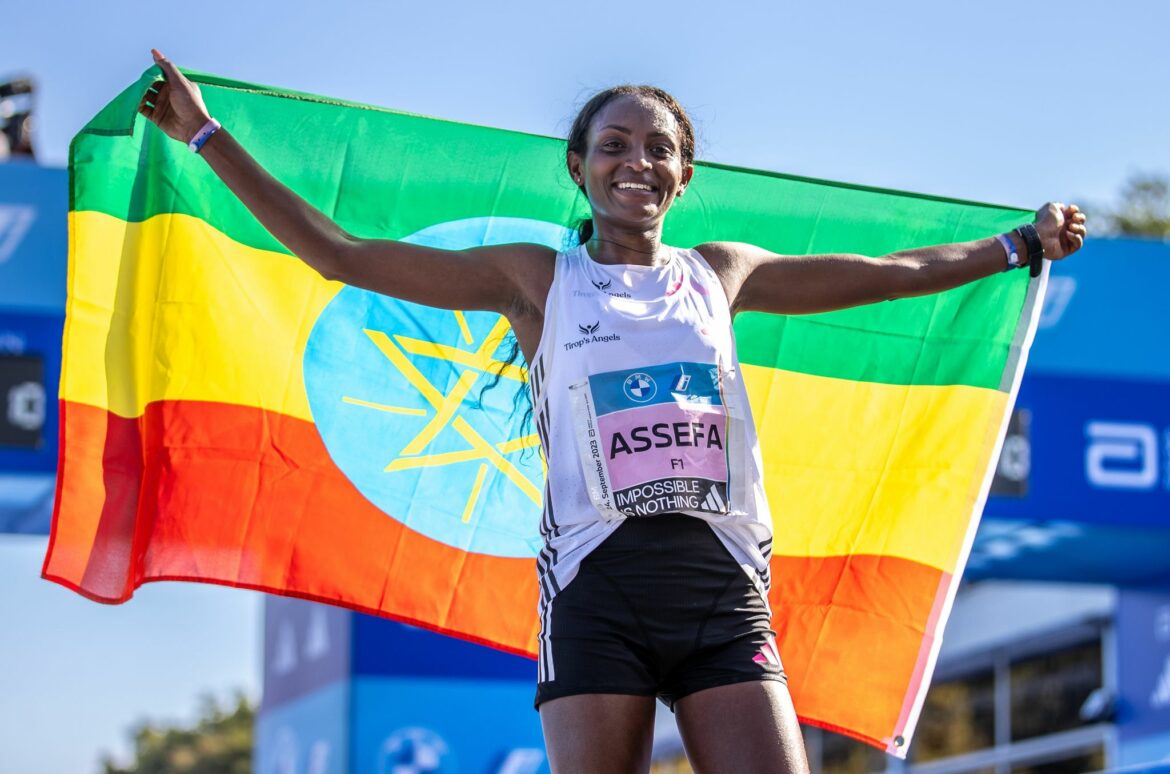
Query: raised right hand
pixel 175 104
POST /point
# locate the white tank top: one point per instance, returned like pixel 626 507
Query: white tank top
pixel 641 409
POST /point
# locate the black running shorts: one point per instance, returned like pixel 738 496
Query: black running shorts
pixel 659 609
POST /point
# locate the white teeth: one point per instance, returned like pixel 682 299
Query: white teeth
pixel 634 186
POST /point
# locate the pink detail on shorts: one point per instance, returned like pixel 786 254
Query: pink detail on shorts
pixel 767 655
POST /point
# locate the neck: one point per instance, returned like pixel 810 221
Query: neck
pixel 619 246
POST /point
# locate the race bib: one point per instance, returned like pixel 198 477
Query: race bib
pixel 656 439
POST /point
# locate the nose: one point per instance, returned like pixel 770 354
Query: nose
pixel 637 161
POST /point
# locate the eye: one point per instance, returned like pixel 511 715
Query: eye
pixel 612 145
pixel 663 150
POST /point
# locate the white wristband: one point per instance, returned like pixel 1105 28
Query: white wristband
pixel 202 136
pixel 1013 257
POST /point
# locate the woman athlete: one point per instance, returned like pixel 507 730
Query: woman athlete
pixel 671 606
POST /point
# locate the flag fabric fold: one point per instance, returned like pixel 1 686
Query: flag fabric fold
pixel 228 416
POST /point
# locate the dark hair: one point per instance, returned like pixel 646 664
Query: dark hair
pixel 577 141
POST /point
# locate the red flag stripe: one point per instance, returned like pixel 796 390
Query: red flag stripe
pixel 244 497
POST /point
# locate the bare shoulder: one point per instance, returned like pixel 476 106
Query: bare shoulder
pixel 530 267
pixel 733 263
pixel 732 256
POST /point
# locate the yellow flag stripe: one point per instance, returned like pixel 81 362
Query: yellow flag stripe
pixel 865 468
pixel 205 318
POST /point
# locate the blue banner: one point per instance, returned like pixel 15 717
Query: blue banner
pixel 1105 314
pixel 1085 483
pixel 385 648
pixel 33 215
pixel 34 207
pixel 1099 453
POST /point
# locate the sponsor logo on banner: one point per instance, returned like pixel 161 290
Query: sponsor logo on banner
pixel 285 752
pixel 523 760
pixel 12 343
pixel 15 221
pixel 1161 696
pixel 1123 455
pixel 1056 300
pixel 413 750
pixel 1014 468
pixel 26 406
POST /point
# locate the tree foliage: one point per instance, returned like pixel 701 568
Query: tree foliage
pixel 1143 208
pixel 220 742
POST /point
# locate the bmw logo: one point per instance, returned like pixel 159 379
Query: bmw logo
pixel 639 387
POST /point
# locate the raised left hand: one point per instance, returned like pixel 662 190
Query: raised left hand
pixel 1061 229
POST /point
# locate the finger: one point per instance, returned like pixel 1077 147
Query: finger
pixel 154 94
pixel 171 72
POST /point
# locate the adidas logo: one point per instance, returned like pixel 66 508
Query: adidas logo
pixel 767 655
pixel 713 502
pixel 1161 696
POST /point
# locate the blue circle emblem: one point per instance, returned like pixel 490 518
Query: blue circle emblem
pixel 640 387
pixel 407 402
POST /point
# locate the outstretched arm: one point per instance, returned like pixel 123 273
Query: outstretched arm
pixel 480 278
pixel 758 280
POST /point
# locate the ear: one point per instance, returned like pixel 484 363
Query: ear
pixel 576 168
pixel 687 173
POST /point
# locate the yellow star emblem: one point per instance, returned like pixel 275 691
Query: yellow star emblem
pixel 476 361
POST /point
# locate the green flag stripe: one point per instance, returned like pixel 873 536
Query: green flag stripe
pixel 385 174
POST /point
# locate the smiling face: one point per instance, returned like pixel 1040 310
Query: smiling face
pixel 634 163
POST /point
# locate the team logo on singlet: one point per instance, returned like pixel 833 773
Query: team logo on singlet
pixel 601 287
pixel 590 335
pixel 399 393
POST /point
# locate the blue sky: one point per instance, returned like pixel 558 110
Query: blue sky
pixel 1005 102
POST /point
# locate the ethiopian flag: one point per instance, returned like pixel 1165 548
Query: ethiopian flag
pixel 229 416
